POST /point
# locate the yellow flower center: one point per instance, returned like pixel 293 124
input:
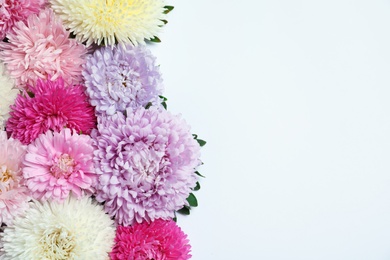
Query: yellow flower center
pixel 57 243
pixel 6 179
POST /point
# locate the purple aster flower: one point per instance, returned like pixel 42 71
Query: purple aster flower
pixel 120 77
pixel 146 163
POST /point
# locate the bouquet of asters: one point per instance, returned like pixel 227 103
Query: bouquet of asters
pixel 92 164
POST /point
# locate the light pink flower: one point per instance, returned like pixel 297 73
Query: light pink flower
pixel 12 11
pixel 53 107
pixel 158 240
pixel 39 48
pixel 14 196
pixel 59 163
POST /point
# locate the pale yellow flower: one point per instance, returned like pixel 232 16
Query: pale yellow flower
pixel 111 21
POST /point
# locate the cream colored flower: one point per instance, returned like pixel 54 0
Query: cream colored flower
pixel 111 21
pixel 75 229
pixel 7 95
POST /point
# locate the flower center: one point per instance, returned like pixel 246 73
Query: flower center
pixel 63 166
pixel 131 79
pixel 57 244
pixel 6 179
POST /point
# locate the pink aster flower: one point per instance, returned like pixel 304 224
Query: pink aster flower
pixel 39 48
pixel 14 196
pixel 158 240
pixel 59 163
pixel 53 107
pixel 146 162
pixel 12 11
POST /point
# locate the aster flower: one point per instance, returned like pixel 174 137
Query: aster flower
pixel 146 164
pixel 121 77
pixel 53 107
pixel 14 195
pixel 75 229
pixel 41 47
pixel 158 240
pixel 12 11
pixel 7 95
pixel 111 21
pixel 59 163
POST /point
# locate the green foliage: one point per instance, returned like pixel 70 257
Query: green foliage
pixel 197 187
pixel 184 210
pixel 168 8
pixel 192 200
pixel 200 141
pixel 155 39
pixel 200 175
pixel 164 102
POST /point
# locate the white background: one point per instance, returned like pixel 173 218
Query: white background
pixel 293 99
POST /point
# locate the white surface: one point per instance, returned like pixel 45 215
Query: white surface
pixel 293 99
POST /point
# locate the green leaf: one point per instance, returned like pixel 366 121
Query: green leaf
pixel 175 217
pixel 197 173
pixel 155 39
pixel 184 210
pixel 201 142
pixel 192 200
pixel 164 21
pixel 168 8
pixel 148 105
pixel 163 98
pixel 195 136
pixel 164 104
pixel 197 187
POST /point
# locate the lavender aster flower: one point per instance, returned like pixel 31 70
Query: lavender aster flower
pixel 146 163
pixel 120 77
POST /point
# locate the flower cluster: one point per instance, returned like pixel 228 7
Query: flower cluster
pixel 92 165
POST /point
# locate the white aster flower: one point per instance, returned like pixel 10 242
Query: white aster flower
pixel 123 21
pixel 7 95
pixel 75 229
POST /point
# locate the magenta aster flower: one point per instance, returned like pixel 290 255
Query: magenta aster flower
pixel 39 48
pixel 14 196
pixel 53 107
pixel 146 164
pixel 12 11
pixel 121 77
pixel 59 163
pixel 158 240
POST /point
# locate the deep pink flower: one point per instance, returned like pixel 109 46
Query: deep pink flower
pixel 12 11
pixel 158 240
pixel 40 48
pixel 53 107
pixel 59 163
